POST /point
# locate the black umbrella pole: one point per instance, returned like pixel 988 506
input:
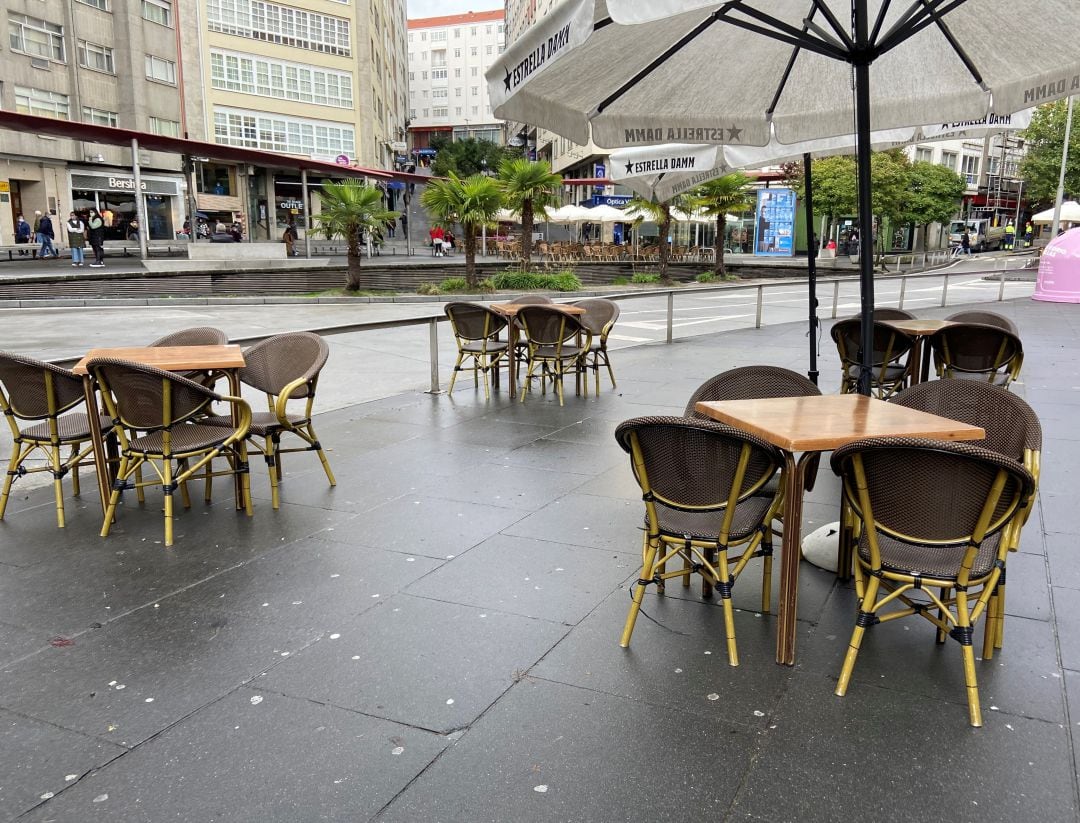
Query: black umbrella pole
pixel 811 266
pixel 866 216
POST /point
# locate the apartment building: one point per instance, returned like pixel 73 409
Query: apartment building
pixel 447 91
pixel 324 79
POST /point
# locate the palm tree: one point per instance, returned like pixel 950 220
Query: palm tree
pixel 659 213
pixel 349 209
pixel 529 188
pixel 730 193
pixel 473 202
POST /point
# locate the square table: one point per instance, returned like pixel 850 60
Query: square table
pixel 227 358
pixel 510 311
pixel 815 424
pixel 920 328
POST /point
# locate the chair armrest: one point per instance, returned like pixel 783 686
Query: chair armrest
pixel 244 413
pixel 283 398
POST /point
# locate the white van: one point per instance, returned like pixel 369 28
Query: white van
pixel 983 236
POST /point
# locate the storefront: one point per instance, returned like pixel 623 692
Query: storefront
pixel 113 195
pixel 289 204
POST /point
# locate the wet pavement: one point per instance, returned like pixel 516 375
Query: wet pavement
pixel 436 638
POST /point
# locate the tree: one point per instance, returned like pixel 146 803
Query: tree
pixel 528 188
pixel 933 195
pixel 659 213
pixel 472 202
pixel 730 193
pixel 465 157
pixel 1045 138
pixel 349 209
pixel 835 189
pixel 889 171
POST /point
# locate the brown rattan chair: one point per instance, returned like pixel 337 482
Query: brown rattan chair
pixel 986 318
pixel 284 367
pixel 883 313
pixel 552 337
pixel 975 351
pixel 521 348
pixel 932 515
pixel 889 358
pixel 700 482
pixel 158 407
pixel 44 394
pixel 531 300
pixel 1012 429
pixel 196 336
pixel 476 330
pixel 599 318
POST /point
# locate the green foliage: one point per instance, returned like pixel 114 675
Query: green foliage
pixel 645 277
pixel 1045 139
pixel 526 182
pixel 526 280
pixel 620 281
pixel 429 288
pixel 835 190
pixel 453 285
pixel 473 202
pixel 465 157
pixel 348 209
pixel 730 193
pixel 707 277
pixel 933 194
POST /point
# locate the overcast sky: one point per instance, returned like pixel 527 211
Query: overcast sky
pixel 438 8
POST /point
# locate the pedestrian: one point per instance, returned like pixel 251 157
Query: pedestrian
pixel 76 237
pixel 965 243
pixel 1010 236
pixel 404 223
pixel 133 230
pixel 95 225
pixel 289 237
pixel 237 231
pixel 1029 234
pixel 44 234
pixel 23 232
pixel 437 234
pixel 390 229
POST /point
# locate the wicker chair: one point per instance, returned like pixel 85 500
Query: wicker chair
pixel 476 330
pixel 932 515
pixel 599 318
pixel 700 482
pixel 33 390
pixel 161 405
pixel 889 358
pixel 975 351
pixel 552 338
pixel 986 318
pixel 284 367
pixel 1012 429
pixel 196 336
pixel 888 313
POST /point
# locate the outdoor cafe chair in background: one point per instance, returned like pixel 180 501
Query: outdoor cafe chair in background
pixel 195 336
pixel 521 348
pixel 701 484
pixel 975 351
pixel 889 360
pixel 1012 429
pixel 933 515
pixel 599 318
pixel 552 337
pixel 151 413
pixel 986 318
pixel 284 367
pixel 480 350
pixel 45 395
pixel 884 313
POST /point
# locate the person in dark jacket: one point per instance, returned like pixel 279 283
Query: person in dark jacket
pixel 23 233
pixel 45 235
pixel 96 235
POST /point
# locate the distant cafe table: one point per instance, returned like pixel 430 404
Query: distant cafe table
pixel 809 425
pixel 920 328
pixel 510 311
pixel 228 359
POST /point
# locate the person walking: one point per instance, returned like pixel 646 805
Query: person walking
pixel 437 234
pixel 76 237
pixel 965 243
pixel 96 234
pixel 23 233
pixel 44 235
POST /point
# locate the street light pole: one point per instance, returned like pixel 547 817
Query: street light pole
pixel 1061 176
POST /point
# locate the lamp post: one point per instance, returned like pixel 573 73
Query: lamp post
pixel 1061 176
pixel 483 228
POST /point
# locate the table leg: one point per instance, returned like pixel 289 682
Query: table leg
pixel 915 366
pixel 794 483
pixel 511 350
pixel 925 359
pixel 97 442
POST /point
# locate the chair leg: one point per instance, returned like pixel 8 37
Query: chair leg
pixel 857 635
pixel 999 633
pixel 140 495
pixel 245 478
pixel 963 624
pixel 940 637
pixel 184 496
pixel 271 457
pixel 322 456
pixel 724 585
pixel 12 473
pixel 167 483
pixel 766 571
pixel 457 368
pixel 610 371
pixel 114 497
pixel 639 593
pixel 58 482
pixel 76 488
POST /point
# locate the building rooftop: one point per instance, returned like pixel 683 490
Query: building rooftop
pixel 494 15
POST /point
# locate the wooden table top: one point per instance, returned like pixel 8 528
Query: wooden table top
pixel 826 422
pixel 511 309
pixel 172 358
pixel 919 326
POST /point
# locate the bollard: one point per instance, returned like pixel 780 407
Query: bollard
pixel 670 314
pixel 1001 282
pixel 903 288
pixel 945 290
pixel 433 338
pixel 760 301
pixel 835 297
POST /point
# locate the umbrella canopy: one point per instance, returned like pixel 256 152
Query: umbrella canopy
pixel 628 73
pixel 507 216
pixel 1070 213
pixel 607 214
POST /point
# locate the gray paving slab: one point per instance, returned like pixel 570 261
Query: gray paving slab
pixel 1067 610
pixel 586 520
pixel 505 484
pixel 1061 551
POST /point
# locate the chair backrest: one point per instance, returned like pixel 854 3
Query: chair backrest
pixel 530 300
pixel 986 318
pixel 27 382
pixel 197 336
pixel 975 350
pixel 889 313
pixel 692 465
pixel 548 326
pixel 890 345
pixel 474 321
pixel 145 398
pixel 751 383
pixel 600 315
pixel 932 491
pixel 274 363
pixel 1011 424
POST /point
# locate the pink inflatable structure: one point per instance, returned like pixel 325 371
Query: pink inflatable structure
pixel 1059 270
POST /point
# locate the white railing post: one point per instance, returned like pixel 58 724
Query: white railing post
pixel 835 297
pixel 760 301
pixel 1001 282
pixel 903 288
pixel 433 340
pixel 670 314
pixel 945 290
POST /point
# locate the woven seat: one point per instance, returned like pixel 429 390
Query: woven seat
pixel 552 338
pixel 976 351
pixel 700 482
pixel 33 390
pixel 285 367
pixel 476 329
pixel 599 318
pixel 262 423
pixel 161 405
pixel 934 517
pixel 889 359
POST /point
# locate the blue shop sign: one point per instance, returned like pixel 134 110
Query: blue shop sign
pixel 617 201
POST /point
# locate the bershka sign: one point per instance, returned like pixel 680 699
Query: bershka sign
pixel 122 182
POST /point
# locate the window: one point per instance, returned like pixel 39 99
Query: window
pixel 412 75
pixel 474 71
pixel 457 72
pixel 438 36
pixel 457 32
pixel 475 110
pixel 924 155
pixel 457 91
pixel 438 94
pixel 98 116
pixel 410 36
pixel 440 112
pixel 424 93
pixel 473 50
pixel 474 90
pixel 169 128
pixel 457 111
pixel 425 113
pixel 42 103
pixel 163 71
pixel 472 31
pixel 412 114
pixel 457 52
pixel 157 11
pixel 250 74
pixel 487 49
pixel 423 35
pixel 97 4
pixel 970 168
pixel 423 75
pixel 36 37
pixel 948 159
pixel 236 127
pixel 271 23
pixel 438 74
pixel 93 56
pixel 438 58
pixel 487 29
pixel 500 29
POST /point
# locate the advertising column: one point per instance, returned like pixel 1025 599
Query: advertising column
pixel 774 233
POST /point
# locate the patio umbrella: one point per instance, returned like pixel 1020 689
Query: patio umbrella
pixel 1070 213
pixel 624 73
